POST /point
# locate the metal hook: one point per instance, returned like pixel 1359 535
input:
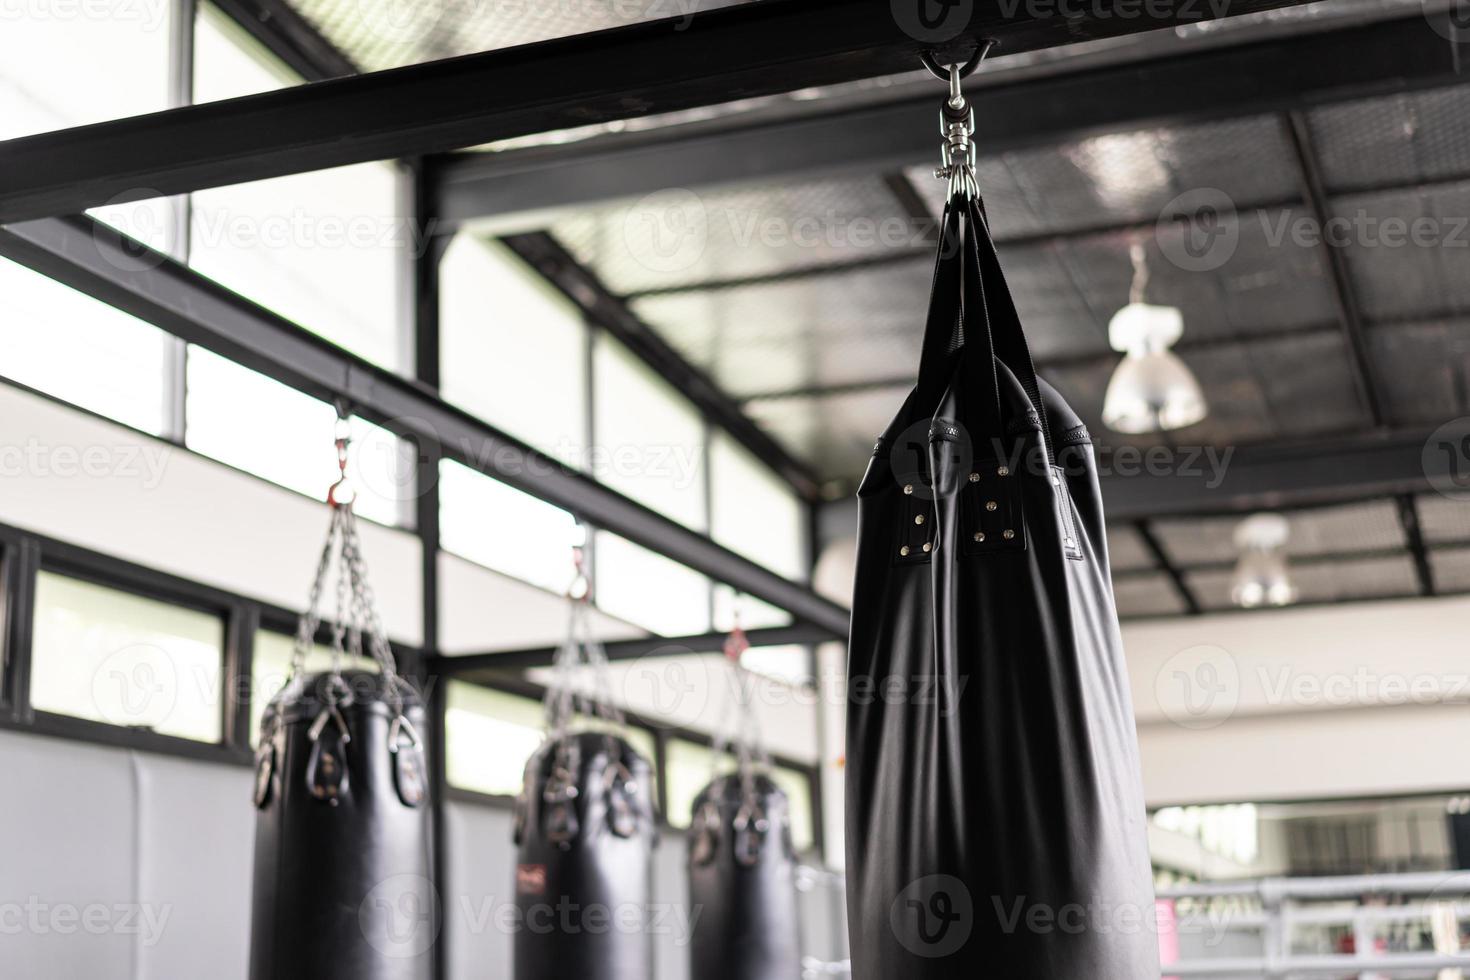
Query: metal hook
pixel 953 73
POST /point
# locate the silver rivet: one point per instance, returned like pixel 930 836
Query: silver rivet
pixel 928 547
pixel 1008 534
pixel 979 536
pixel 904 551
pixel 1003 471
pixel 908 488
pixel 918 518
pixel 1056 480
pixel 991 505
pixel 1071 543
pixel 974 477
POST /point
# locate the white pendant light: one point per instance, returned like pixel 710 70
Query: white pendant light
pixel 1152 389
pixel 1262 577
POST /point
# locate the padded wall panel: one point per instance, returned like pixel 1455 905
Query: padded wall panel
pixel 78 837
pixel 196 833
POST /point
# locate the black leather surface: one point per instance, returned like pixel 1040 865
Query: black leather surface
pixel 743 886
pixel 584 902
pixel 995 817
pixel 342 889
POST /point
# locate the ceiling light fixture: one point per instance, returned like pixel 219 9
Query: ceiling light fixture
pixel 1262 577
pixel 1152 390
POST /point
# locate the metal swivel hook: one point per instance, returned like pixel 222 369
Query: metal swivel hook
pixel 957 122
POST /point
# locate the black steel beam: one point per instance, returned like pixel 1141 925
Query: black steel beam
pixel 1414 536
pixel 1334 258
pixel 1237 80
pixel 1166 482
pixel 1161 560
pixel 744 51
pixel 582 286
pixel 653 646
pixel 99 261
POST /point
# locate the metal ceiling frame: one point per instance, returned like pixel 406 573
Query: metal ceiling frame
pixel 743 51
pixel 1259 77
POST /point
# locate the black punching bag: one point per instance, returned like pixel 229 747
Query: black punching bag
pixel 343 869
pixel 742 883
pixel 995 815
pixel 585 833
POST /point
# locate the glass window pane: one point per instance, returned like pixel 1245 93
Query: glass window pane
pixel 502 528
pixel 513 348
pixel 649 590
pixel 753 612
pixel 650 440
pixel 754 512
pixel 67 344
pixel 62 65
pixel 489 737
pixel 118 658
pixel 228 63
pixel 325 249
pixel 247 420
pixel 270 665
pixel 689 772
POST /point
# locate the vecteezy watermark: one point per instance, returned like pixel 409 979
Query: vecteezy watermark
pixel 1450 21
pixel 1283 685
pixel 150 15
pixel 669 231
pixel 36 917
pixel 136 686
pixel 143 463
pixel 932 21
pixel 673 682
pixel 920 690
pixel 544 915
pixel 1446 459
pixel 1198 687
pixel 933 917
pixel 1199 230
pixel 400 916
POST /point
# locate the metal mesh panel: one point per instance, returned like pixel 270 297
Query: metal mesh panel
pixel 1372 526
pixel 820 331
pixel 834 434
pixel 1409 251
pixel 1059 322
pixel 1126 550
pixel 1323 581
pixel 680 237
pixel 378 34
pixel 1451 569
pixel 1443 520
pixel 1401 139
pixel 1424 369
pixel 1127 177
pixel 1146 595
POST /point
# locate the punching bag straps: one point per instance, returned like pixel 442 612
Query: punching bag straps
pixel 942 332
pixel 751 824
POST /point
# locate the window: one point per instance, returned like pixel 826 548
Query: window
pixel 513 348
pixel 649 439
pixel 324 249
pixel 690 771
pixel 46 49
pixel 491 735
pixel 67 344
pixel 502 528
pixel 270 666
pixel 118 658
pixel 243 418
pixel 648 590
pixel 754 512
pixel 753 612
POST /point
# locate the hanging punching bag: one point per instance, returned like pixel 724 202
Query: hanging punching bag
pixel 585 827
pixel 995 816
pixel 585 833
pixel 742 882
pixel 343 867
pixel 342 859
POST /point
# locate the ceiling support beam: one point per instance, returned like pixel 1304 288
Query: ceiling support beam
pixel 289 36
pixel 1269 75
pixel 653 646
pixel 99 261
pixel 1414 535
pixel 744 51
pixel 1334 259
pixel 1161 559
